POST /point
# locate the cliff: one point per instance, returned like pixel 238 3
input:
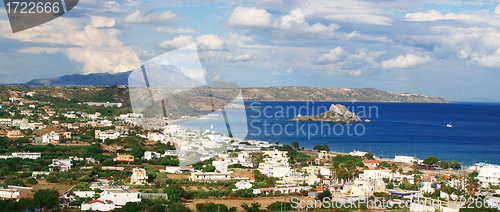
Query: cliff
pixel 336 113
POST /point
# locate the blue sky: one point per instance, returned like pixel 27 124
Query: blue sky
pixel 439 48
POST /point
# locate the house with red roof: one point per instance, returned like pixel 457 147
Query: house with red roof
pixel 371 163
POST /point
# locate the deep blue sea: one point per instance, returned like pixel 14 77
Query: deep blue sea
pixel 413 129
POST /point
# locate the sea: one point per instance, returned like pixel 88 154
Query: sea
pixel 410 129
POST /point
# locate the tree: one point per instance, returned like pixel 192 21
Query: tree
pixel 46 199
pixel 295 145
pixel 472 185
pixel 324 195
pixel 255 207
pixel 14 182
pixel 321 147
pixel 175 192
pixel 342 174
pixel 31 181
pixel 280 206
pixel 209 206
pixel 417 179
pixel 26 204
pixel 178 207
pixel 369 156
pixel 431 160
pixel 474 174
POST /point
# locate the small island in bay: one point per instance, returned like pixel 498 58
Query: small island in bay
pixel 336 113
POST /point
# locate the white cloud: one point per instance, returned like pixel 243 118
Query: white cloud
pixel 210 42
pixel 288 25
pixel 290 70
pixel 357 35
pixel 491 60
pixel 355 73
pixel 204 42
pixel 320 28
pixel 347 11
pixel 177 42
pixel 149 17
pixel 39 50
pixel 405 61
pixel 195 74
pixel 296 17
pixel 433 15
pixel 249 17
pixel 95 45
pixel 296 21
pixel 242 58
pixel 175 30
pixel 333 56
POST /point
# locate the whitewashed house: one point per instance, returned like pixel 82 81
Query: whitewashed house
pixel 148 155
pixel 111 199
pixel 51 137
pixel 139 176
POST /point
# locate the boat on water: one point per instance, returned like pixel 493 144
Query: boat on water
pixel 368 120
pixel 449 125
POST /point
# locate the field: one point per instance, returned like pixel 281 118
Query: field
pixel 264 201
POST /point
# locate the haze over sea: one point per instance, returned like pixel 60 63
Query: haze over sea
pixel 413 129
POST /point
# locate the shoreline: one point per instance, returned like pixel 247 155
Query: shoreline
pixel 310 144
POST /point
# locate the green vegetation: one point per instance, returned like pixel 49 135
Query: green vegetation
pixel 209 207
pixel 255 207
pixel 321 147
pixel 431 160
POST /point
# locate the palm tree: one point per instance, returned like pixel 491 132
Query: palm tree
pixel 472 185
pixel 417 179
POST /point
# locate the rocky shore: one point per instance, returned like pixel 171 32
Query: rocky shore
pixel 336 113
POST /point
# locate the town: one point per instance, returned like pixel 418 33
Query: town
pixel 67 155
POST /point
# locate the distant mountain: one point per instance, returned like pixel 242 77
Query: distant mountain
pixel 477 99
pixel 165 75
pixel 98 79
pixel 175 78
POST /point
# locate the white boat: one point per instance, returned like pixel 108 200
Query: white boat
pixel 449 125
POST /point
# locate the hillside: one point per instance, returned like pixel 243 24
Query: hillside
pixel 100 79
pixel 174 79
pixel 189 100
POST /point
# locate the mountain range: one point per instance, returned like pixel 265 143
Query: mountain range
pixel 280 93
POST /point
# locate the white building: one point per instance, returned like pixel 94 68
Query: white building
pixel 51 137
pixel 84 194
pixel 106 123
pixel 139 176
pixel 220 165
pixel 317 170
pixel 15 192
pixel 357 153
pixel 103 135
pixel 27 155
pixel 243 185
pixel 61 164
pixel 105 104
pixel 489 176
pixel 377 174
pixel 156 136
pixel 210 176
pixel 111 199
pixel 406 159
pixel 148 155
pixel 277 155
pixel 274 169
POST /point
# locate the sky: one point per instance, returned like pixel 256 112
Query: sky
pixel 439 48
